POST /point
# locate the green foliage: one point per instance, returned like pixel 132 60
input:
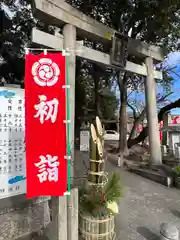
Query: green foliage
pixel 152 21
pixel 108 107
pixel 93 200
pixel 93 92
pixel 176 171
pixel 90 201
pixel 113 189
pixel 15 36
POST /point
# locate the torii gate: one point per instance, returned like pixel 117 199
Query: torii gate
pixel 76 24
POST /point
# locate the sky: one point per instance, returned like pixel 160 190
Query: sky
pixel 171 65
pixel 6 9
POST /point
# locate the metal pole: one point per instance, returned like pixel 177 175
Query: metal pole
pixel 62 207
pixel 69 33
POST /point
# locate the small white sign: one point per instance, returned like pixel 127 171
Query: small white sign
pixel 12 142
pixel 84 141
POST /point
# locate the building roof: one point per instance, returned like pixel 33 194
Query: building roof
pixel 171 128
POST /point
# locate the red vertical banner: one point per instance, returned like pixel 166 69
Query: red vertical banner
pixel 45 112
pixel 160 130
pixel 176 120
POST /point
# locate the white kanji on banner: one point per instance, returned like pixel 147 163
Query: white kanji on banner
pixel 46 109
pixel 45 72
pixel 48 168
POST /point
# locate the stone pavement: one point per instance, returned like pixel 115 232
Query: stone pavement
pixel 145 205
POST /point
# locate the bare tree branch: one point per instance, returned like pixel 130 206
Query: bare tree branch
pixel 139 119
pixel 161 113
pixel 133 109
pixel 136 123
pixel 161 99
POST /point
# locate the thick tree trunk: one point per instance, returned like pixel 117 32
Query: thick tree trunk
pixel 96 75
pixel 123 126
pixel 144 132
pixel 122 83
pixel 96 93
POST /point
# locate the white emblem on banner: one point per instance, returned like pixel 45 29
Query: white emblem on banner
pixel 45 72
pixel 48 168
pixel 46 109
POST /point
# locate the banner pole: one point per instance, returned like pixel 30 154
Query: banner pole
pixel 68 127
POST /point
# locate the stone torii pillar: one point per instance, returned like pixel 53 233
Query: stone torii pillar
pixel 151 106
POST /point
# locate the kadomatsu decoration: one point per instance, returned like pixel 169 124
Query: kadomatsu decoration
pixel 98 201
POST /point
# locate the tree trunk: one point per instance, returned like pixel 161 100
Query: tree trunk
pixel 122 83
pixel 144 132
pixel 135 125
pixel 96 92
pixel 123 126
pixel 96 76
pixel 140 118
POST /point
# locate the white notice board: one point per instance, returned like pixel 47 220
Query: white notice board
pixel 12 142
pixel 84 140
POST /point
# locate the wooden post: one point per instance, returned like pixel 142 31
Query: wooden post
pixel 72 215
pixel 59 218
pixel 153 128
pixel 64 225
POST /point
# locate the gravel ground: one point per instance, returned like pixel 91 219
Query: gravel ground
pixel 145 205
pixel 143 208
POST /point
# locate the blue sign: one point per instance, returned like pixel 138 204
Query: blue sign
pixel 7 94
pixel 16 179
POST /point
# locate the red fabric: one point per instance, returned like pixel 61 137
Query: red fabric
pixel 160 133
pixel 176 120
pixel 140 128
pixel 47 137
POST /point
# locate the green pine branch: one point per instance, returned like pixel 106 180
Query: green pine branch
pixel 93 200
pixel 113 189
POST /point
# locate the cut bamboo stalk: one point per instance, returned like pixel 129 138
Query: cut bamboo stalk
pixel 96 154
pixel 100 130
pixel 100 143
pixel 99 148
pixel 100 162
pixel 93 154
pixel 99 127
